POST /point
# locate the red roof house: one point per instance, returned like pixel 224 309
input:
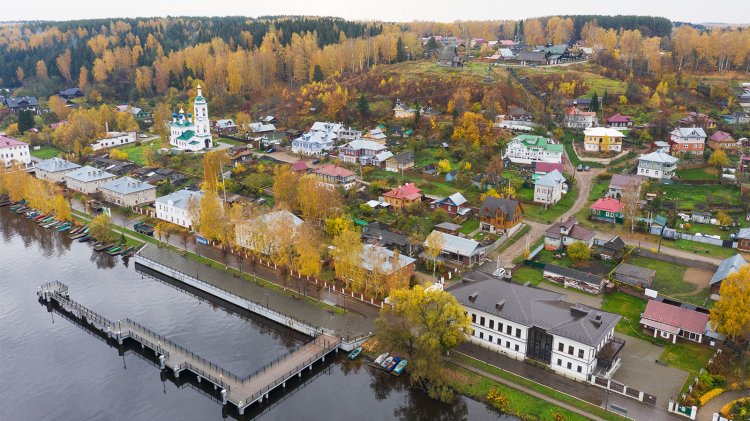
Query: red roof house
pixel 722 140
pixel 300 166
pixel 607 209
pixel 542 168
pixel 619 120
pixel 670 322
pixel 402 196
pixel 335 176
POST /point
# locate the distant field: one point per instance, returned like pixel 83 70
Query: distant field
pixel 135 150
pixel 45 152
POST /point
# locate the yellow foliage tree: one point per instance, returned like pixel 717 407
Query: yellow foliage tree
pixel 718 159
pixel 308 249
pixel 655 101
pixel 62 208
pixel 118 155
pixel 211 221
pixel 731 314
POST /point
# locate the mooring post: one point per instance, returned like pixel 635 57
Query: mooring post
pixel 199 379
pixel 223 396
pixel 241 409
pixel 161 362
pixel 176 372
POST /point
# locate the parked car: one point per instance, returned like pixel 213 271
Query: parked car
pixel 270 150
pixel 580 167
pixel 587 168
pixel 143 136
pixel 315 161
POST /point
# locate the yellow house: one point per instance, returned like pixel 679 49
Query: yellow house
pixel 602 139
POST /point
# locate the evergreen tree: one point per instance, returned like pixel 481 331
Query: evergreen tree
pixel 318 74
pixel 431 47
pixel 25 121
pixel 595 103
pixel 520 29
pixel 605 99
pixel 417 115
pixel 400 51
pixel 363 106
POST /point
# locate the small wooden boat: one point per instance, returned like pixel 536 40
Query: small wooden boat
pixel 114 251
pixel 103 247
pixel 46 220
pixel 393 364
pixel 32 214
pixel 53 224
pixel 386 362
pixel 76 230
pixel 399 367
pixel 64 227
pixel 80 234
pixel 85 239
pixel 15 207
pixel 381 358
pixel 355 353
pixel 128 252
pixel 22 210
pixel 40 217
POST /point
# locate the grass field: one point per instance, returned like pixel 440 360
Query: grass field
pixel 668 275
pixel 701 248
pixel 469 226
pixel 687 356
pixel 536 212
pixel 135 150
pixel 45 152
pixel 629 307
pixel 528 274
pixel 696 174
pixel 688 196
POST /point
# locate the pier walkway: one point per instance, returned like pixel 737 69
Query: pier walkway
pixel 241 392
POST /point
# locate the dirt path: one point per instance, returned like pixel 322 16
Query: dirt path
pixel 697 277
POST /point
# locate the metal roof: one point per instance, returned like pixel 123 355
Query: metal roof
pixel 180 199
pixel 728 267
pixel 56 164
pixel 458 245
pixel 126 185
pixel 87 173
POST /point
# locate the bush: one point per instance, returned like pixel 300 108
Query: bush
pixel 737 410
pixel 710 395
pixel 497 399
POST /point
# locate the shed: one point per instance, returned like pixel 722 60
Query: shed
pixel 636 276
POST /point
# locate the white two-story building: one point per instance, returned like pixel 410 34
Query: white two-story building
pixel 526 322
pixel 115 139
pixel 658 165
pixel 54 169
pixel 13 151
pixel 87 180
pixel 322 137
pixel 526 148
pixel 175 207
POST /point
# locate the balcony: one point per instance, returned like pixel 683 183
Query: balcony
pixel 609 353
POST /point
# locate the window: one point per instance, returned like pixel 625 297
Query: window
pixel 561 347
pixel 559 362
pixel 489 338
pixel 473 318
pixel 580 353
pixel 570 350
pixel 664 334
pixel 509 330
pixel 481 321
pixel 570 366
pixel 499 342
pixel 518 333
pixel 516 347
pixel 507 344
pixel 579 369
pixel 492 324
pixel 481 335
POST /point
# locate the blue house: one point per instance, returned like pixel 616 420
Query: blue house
pixel 450 176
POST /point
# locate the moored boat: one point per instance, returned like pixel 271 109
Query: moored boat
pixel 103 247
pixel 393 364
pixel 114 251
pixel 355 353
pixel 386 362
pixel 128 252
pixel 64 227
pixel 381 358
pixel 399 367
pixel 85 239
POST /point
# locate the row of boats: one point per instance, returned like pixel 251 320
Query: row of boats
pixel 81 233
pixel 391 364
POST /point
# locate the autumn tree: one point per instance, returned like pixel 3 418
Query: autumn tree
pixel 101 228
pixel 63 65
pixel 731 314
pixel 211 220
pixel 578 251
pixel 118 155
pixel 434 245
pixel 533 32
pixel 425 324
pixel 213 164
pixel 723 219
pixel 308 248
pixel 473 129
pixel 718 159
pixel 285 183
pixel 347 254
pixel 41 70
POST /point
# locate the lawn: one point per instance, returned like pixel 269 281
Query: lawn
pixel 599 189
pixel 700 248
pixel 687 356
pixel 469 226
pixel 704 229
pixel 567 141
pixel 135 150
pixel 528 274
pixel 688 196
pixel 45 152
pixel 629 307
pixel 694 174
pixel 669 276
pixel 537 213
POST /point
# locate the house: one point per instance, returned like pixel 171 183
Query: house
pixel 670 322
pixel 113 166
pixel 178 207
pixel 577 119
pixel 743 239
pixel 240 154
pixel 349 134
pixel 115 139
pixel 70 93
pixel 300 167
pixel 399 162
pixel 541 169
pixel 377 233
pixel 335 176
pixel 662 146
pixel 658 165
pixel 696 119
pixel 583 103
pixel 379 260
pixel 192 132
pixel 139 113
pixel 602 139
pixel 562 234
pixel 248 233
pixel 453 204
pixel 723 141
pixel 87 180
pixel 613 249
pixel 607 209
pixel 61 123
pixel 448 228
pixel 26 103
pixel 525 322
pixel 269 119
pixel 227 126
pixel 449 57
pixel 701 217
pixel 636 276
pixel 726 267
pixel 620 121
pixel 572 278
pixel 128 192
pixel 458 251
pixel 499 214
pixel 549 188
pixel 258 128
pixel 360 151
pixel 450 176
pixel 488 181
pixel 376 135
pixel 519 114
pixel 621 184
pixel 403 196
pixel 401 110
pixel 526 148
pixel 531 58
pixel 429 169
pixel 738 117
pixel 744 164
pixel 54 169
pixel 13 151
pixel 321 138
pixel 690 139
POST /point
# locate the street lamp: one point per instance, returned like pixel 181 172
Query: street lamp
pixel 606 404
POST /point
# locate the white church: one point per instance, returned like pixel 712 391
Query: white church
pixel 192 131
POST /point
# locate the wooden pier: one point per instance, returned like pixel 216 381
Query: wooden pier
pixel 241 392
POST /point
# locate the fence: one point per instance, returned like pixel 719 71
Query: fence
pixel 675 259
pixel 707 240
pixel 623 389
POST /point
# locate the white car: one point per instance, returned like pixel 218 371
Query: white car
pixel 143 136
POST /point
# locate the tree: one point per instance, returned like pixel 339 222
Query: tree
pixel 101 228
pixel 211 220
pixel 400 50
pixel 12 130
pixel 630 199
pixel 62 208
pixel 162 115
pixel 347 255
pixel 473 129
pixel 25 121
pixel 308 249
pixel 318 74
pixel 213 164
pixel 655 101
pixel 118 155
pixel 41 70
pixel 148 155
pixel 363 106
pixel 595 102
pixel 285 187
pixel 731 314
pixel 723 219
pixel 434 244
pixel 579 251
pixel 718 159
pixel 426 324
pixel 444 166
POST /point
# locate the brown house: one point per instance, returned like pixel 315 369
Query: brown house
pixel 401 197
pixel 723 140
pixel 498 214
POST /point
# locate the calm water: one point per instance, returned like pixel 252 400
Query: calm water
pixel 54 368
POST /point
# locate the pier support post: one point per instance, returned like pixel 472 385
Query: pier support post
pixel 176 372
pixel 299 374
pixel 241 410
pixel 223 396
pixel 265 396
pixel 199 379
pixel 161 362
pixel 119 338
pixel 323 359
pixel 283 385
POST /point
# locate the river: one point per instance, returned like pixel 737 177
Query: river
pixel 55 368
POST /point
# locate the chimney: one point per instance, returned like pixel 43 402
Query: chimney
pixel 499 305
pixel 473 297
